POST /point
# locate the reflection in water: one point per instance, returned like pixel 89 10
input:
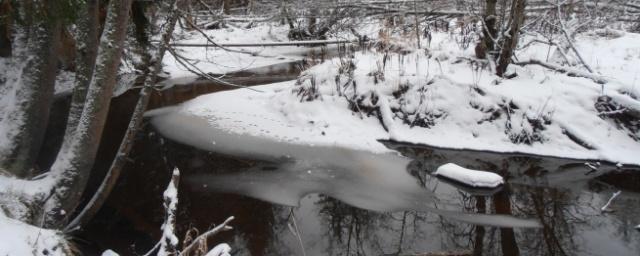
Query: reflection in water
pixel 359 204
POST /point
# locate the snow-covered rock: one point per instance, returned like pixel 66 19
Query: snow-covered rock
pixel 473 178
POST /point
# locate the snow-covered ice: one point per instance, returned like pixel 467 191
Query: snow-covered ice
pixel 473 178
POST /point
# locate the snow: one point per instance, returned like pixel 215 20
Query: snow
pixel 18 238
pixel 220 250
pixel 457 98
pixel 109 253
pixel 170 196
pixel 473 178
pixel 220 61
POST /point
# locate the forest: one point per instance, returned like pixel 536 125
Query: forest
pixel 329 127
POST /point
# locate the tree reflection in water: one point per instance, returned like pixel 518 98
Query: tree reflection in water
pixel 564 195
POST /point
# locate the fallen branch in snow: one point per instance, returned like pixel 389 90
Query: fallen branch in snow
pixel 288 43
pixel 604 208
pixel 197 71
pixel 568 71
pixel 563 28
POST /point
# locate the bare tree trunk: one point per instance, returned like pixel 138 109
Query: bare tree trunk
pixel 33 91
pixel 73 165
pixel 489 31
pixel 87 48
pixel 154 67
pixel 511 41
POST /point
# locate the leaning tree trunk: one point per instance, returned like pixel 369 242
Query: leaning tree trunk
pixel 511 41
pixel 34 87
pixel 87 48
pixel 73 165
pixel 154 66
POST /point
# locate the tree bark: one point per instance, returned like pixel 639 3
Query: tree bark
pixel 87 49
pixel 489 31
pixel 33 91
pixel 154 67
pixel 73 165
pixel 511 41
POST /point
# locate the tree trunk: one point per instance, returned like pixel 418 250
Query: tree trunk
pixel 511 41
pixel 154 64
pixel 34 88
pixel 87 48
pixel 489 31
pixel 73 165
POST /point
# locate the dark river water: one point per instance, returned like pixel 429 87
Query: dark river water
pixel 335 201
pixel 354 203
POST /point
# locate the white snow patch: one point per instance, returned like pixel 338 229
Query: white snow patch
pixel 109 253
pixel 18 238
pixel 469 177
pixel 220 250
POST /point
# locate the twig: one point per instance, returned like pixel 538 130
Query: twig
pixel 295 225
pixel 566 35
pixel 217 229
pixel 604 208
pixel 194 69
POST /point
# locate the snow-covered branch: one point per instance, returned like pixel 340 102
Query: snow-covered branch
pixel 169 241
pixel 568 71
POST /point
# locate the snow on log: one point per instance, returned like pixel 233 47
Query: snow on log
pixel 473 178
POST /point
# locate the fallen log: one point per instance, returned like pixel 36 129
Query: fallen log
pixel 568 71
pixel 288 43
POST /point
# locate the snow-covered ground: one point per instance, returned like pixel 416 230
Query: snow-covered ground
pixel 432 96
pixel 221 61
pixel 18 238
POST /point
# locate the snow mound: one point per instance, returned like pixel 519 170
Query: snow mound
pixel 473 178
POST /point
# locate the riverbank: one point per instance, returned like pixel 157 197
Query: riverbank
pixel 442 96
